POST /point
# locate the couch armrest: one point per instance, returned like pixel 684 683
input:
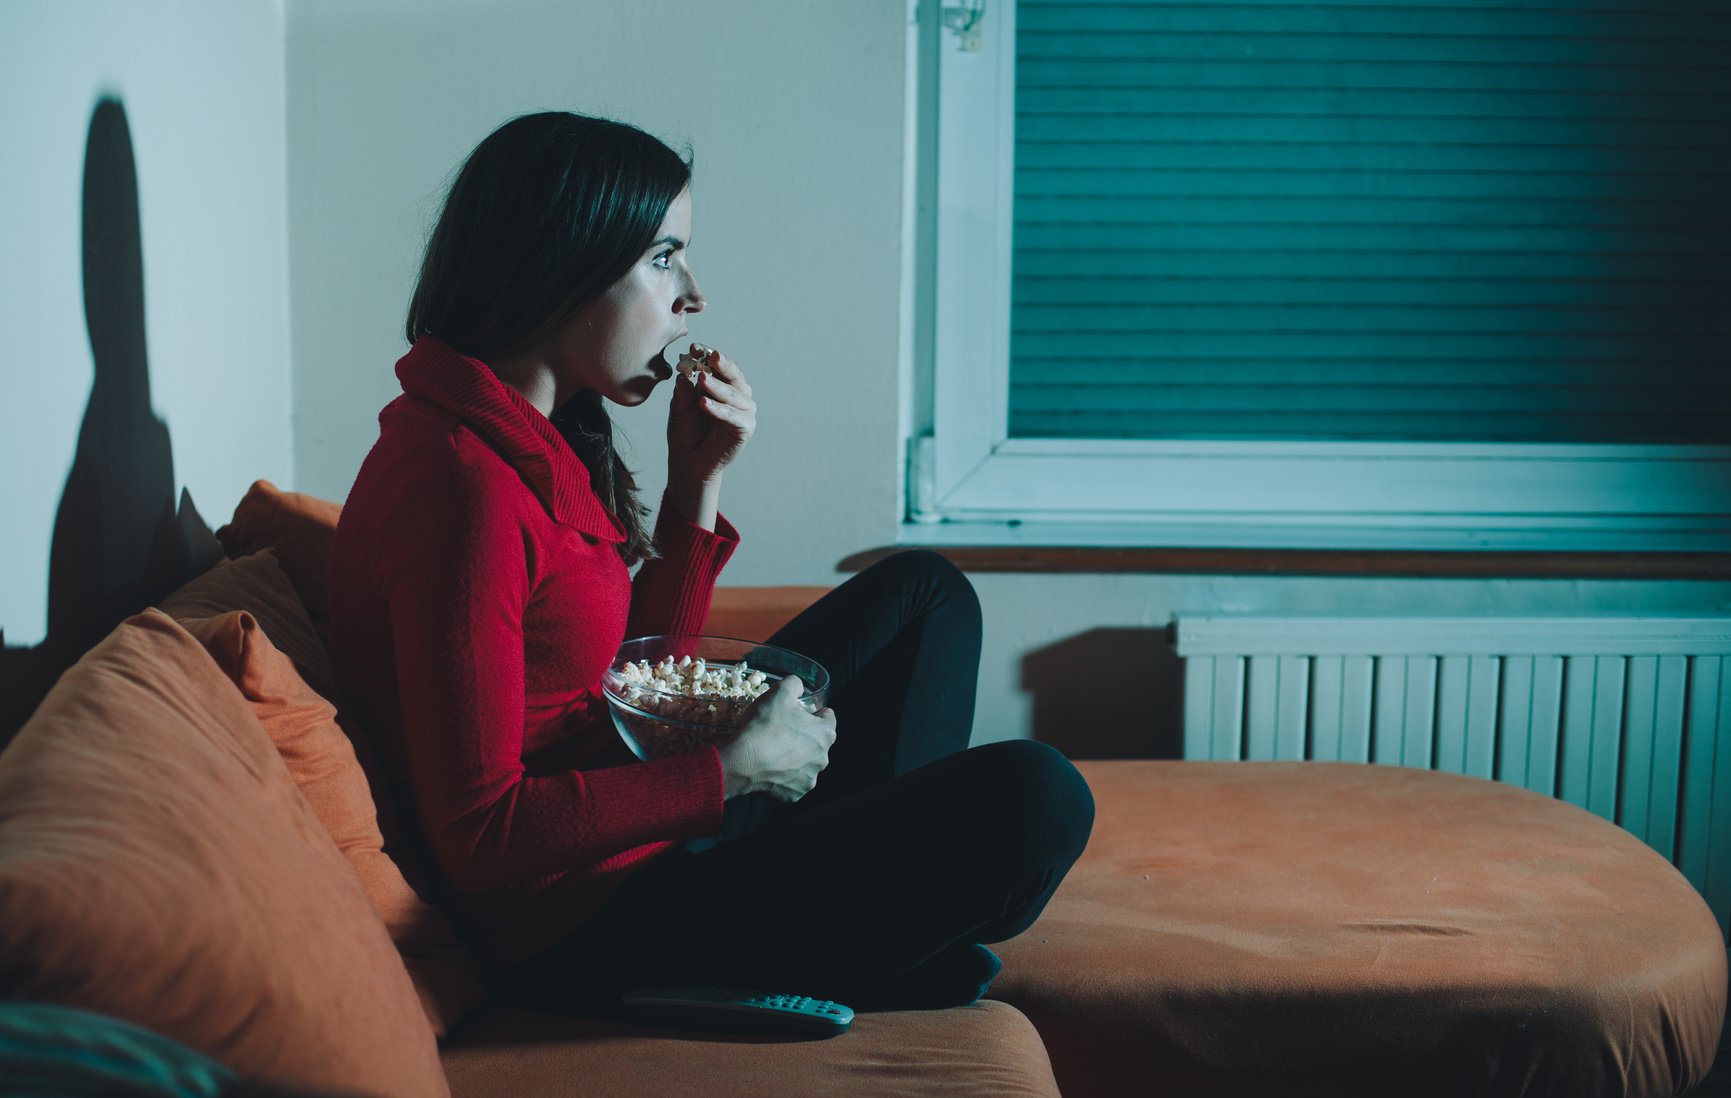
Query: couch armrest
pixel 753 613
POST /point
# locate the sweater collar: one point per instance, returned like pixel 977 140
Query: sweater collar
pixel 468 389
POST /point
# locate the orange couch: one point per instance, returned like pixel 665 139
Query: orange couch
pixel 189 840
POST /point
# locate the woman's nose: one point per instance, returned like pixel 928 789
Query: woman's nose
pixel 692 300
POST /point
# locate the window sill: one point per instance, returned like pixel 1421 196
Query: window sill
pixel 1368 562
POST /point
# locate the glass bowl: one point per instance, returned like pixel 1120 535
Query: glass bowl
pixel 655 723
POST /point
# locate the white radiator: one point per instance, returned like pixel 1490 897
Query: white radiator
pixel 1627 717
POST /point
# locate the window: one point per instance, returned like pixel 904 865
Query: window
pixel 1359 276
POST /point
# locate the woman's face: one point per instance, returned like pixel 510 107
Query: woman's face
pixel 615 344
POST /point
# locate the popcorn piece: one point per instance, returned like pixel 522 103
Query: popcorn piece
pixel 691 365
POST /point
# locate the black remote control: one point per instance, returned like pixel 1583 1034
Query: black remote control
pixel 735 1010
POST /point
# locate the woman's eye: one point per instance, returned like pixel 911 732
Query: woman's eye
pixel 664 261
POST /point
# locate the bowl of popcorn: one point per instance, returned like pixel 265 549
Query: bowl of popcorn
pixel 671 694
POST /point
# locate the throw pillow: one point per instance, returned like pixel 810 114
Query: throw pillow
pixel 329 762
pixel 258 585
pixel 304 728
pixel 299 527
pixel 158 864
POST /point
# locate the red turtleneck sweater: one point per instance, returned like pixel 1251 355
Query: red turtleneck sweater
pixel 477 596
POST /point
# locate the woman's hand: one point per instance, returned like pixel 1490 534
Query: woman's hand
pixel 782 747
pixel 709 420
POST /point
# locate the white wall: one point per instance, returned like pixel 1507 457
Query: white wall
pixel 202 86
pixel 796 114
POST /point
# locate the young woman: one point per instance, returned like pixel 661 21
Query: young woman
pixel 481 585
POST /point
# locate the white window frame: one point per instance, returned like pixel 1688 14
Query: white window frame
pixel 969 483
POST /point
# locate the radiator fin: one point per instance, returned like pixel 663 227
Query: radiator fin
pixel 1704 832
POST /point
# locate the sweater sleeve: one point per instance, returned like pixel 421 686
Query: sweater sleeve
pixel 671 594
pixel 457 586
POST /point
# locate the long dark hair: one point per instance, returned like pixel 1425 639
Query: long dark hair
pixel 548 212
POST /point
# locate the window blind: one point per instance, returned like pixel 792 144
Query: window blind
pixel 1506 220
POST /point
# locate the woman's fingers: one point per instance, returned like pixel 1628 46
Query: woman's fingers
pixel 722 367
pixel 724 392
pixel 732 374
pixel 744 420
pixel 728 394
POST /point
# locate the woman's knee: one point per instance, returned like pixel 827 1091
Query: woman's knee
pixel 941 585
pixel 1048 805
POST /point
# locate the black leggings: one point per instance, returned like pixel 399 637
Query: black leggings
pixel 910 845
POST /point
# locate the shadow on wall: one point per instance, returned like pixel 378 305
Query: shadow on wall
pixel 119 542
pixel 1108 694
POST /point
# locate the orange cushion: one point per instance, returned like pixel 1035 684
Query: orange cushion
pixel 259 585
pixel 987 1049
pixel 321 758
pixel 755 613
pixel 299 527
pixel 304 728
pixel 158 864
